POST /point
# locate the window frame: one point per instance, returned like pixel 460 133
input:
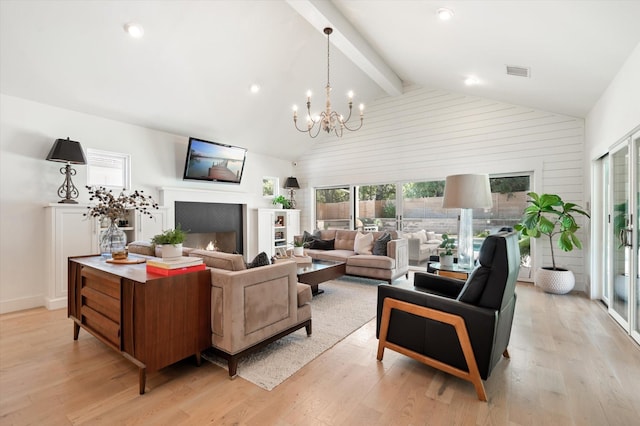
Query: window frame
pixel 124 160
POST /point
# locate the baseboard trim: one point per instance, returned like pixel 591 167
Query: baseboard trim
pixel 55 303
pixel 7 306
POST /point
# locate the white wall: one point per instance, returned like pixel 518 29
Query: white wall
pixel 28 182
pixel 617 112
pixel 429 134
pixel 614 116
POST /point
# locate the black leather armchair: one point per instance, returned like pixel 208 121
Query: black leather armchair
pixel 459 327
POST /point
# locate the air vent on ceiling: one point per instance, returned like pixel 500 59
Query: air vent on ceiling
pixel 518 71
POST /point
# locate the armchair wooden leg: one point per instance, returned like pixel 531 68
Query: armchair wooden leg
pixel 473 375
pixel 506 353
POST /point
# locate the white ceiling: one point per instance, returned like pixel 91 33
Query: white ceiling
pixel 190 73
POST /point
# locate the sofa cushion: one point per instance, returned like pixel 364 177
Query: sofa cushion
pixel 345 239
pixel 363 243
pixel 372 261
pixel 431 235
pixel 260 260
pixel 327 234
pixel 339 255
pixel 304 294
pixel 322 244
pixel 142 247
pixel 421 235
pixel 220 260
pixel 380 245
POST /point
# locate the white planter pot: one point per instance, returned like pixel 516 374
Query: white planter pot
pixel 446 261
pixel 557 282
pixel 171 251
pixel 298 251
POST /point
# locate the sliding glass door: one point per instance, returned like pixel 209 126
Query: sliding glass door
pixel 635 332
pixel 622 288
pixel 620 254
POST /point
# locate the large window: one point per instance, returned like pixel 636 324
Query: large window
pixel 422 206
pixel 422 209
pixel 376 208
pixel 333 208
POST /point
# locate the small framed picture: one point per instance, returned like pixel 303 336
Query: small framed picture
pixel 270 186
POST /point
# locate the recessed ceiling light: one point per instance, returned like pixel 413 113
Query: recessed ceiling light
pixel 471 81
pixel 134 30
pixel 445 14
pixel 254 88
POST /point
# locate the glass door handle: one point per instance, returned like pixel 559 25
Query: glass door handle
pixel 625 234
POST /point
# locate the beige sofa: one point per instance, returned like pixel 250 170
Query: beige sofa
pixel 394 265
pixel 249 307
pixel 422 244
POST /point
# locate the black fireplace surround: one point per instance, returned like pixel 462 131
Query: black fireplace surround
pixel 209 218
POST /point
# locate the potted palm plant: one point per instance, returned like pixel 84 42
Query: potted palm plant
pixel 170 242
pixel 446 254
pixel 548 215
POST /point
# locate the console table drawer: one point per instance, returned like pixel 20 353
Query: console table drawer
pixel 102 303
pixel 101 282
pixel 102 325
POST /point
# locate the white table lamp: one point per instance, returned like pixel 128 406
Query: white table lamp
pixel 466 192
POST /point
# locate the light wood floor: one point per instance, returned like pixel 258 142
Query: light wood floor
pixel 570 365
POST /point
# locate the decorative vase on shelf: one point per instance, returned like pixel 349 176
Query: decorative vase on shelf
pixel 113 242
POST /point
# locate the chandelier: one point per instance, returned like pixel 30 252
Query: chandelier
pixel 327 120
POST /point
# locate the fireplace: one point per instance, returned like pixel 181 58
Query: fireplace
pixel 217 223
pixel 221 241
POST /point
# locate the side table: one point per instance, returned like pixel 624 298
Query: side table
pixel 454 271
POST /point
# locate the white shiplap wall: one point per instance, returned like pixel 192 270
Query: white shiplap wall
pixel 428 134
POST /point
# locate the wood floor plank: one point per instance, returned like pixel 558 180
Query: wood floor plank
pixel 570 365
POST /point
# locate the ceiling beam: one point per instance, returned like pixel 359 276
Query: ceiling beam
pixel 321 14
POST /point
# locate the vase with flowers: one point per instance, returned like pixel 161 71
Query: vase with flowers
pixel 109 209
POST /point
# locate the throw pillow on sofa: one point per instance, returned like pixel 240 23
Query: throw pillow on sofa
pixel 319 244
pixel 260 260
pixel 307 237
pixel 363 243
pixel 380 245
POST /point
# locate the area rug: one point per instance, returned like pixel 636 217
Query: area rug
pixel 346 305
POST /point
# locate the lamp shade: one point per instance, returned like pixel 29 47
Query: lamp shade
pixel 291 183
pixel 67 151
pixel 467 191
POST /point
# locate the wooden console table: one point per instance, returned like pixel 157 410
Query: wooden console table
pixel 154 321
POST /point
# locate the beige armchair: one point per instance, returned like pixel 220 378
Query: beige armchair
pixel 251 308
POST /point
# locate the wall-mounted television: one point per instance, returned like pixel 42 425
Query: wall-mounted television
pixel 214 162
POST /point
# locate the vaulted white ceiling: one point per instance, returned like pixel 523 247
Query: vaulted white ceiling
pixel 190 73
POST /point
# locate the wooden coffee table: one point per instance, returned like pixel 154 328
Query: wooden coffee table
pixel 320 271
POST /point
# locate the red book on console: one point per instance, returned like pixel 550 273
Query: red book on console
pixel 176 271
